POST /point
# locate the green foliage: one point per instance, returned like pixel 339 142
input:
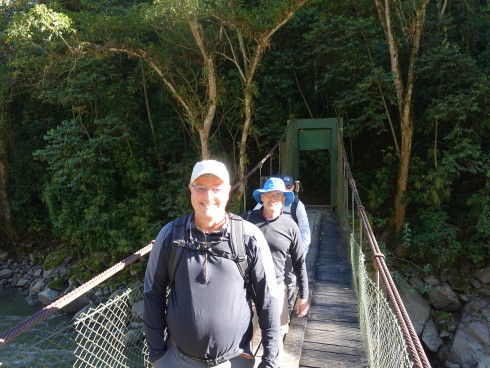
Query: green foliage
pixel 39 25
pixel 435 237
pixel 87 195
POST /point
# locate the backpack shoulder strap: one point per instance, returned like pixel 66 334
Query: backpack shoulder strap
pixel 294 208
pixel 238 246
pixel 177 236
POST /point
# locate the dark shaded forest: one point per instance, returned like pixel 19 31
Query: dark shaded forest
pixel 106 105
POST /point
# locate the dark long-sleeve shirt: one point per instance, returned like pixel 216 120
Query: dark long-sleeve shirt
pixel 283 236
pixel 209 311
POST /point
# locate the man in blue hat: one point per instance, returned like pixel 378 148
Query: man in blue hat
pixel 297 211
pixel 282 235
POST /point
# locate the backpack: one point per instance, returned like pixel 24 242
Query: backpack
pixel 294 207
pixel 180 240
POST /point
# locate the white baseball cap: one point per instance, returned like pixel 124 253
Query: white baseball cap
pixel 210 167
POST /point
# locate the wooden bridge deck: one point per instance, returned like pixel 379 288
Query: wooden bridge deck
pixel 330 336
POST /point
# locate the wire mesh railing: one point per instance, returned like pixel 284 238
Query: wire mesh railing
pixel 110 335
pixel 389 336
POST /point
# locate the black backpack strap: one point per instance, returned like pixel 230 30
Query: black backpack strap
pixel 177 237
pixel 294 207
pixel 238 246
pixel 179 240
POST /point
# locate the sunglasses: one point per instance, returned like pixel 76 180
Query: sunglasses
pixel 289 186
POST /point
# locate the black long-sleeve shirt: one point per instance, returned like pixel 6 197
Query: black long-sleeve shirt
pixel 283 236
pixel 209 312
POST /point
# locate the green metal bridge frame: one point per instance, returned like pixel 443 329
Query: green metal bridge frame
pixel 311 134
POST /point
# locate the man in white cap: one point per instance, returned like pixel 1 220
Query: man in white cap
pixel 215 264
pixel 283 237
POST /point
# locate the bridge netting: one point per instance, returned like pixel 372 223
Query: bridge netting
pixel 111 334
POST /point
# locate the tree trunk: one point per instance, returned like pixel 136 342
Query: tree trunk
pixel 403 168
pixel 243 141
pixel 404 93
pixel 247 66
pixel 7 225
pixel 211 88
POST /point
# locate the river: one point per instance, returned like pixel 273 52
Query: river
pixel 15 308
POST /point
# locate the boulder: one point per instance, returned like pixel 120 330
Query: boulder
pixel 23 282
pixel 430 336
pixel 38 286
pixel 47 296
pixel 417 307
pixel 133 337
pixel 442 297
pixel 5 273
pixel 470 347
pixel 483 275
pixel 76 305
pixel 137 311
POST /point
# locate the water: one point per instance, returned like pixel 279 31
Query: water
pixel 15 308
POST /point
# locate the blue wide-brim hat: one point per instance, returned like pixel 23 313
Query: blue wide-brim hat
pixel 271 185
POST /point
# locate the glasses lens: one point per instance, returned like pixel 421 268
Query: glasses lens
pixel 274 195
pixel 201 189
pixel 289 186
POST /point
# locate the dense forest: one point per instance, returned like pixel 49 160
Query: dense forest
pixel 106 105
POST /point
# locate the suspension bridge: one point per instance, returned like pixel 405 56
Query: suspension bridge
pixel 356 318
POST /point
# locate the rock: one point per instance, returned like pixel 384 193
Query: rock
pixel 5 273
pixel 85 309
pixel 464 298
pixel 76 305
pixel 47 296
pixel 470 346
pixel 4 256
pixel 58 270
pixel 445 275
pixel 483 275
pixel 448 364
pixel 416 282
pixel 431 280
pixel 38 286
pixel 23 282
pixel 430 336
pixel 417 307
pixel 137 311
pixel 442 297
pixel 132 337
pixel 476 284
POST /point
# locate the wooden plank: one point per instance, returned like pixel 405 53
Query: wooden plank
pixel 332 337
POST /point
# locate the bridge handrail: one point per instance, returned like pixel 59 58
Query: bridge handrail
pixel 414 345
